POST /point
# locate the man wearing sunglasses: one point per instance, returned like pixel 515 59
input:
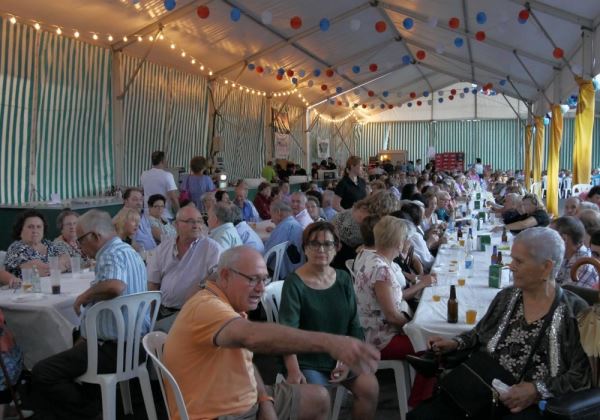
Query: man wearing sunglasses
pixel 209 349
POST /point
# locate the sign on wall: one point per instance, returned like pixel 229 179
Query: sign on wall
pixel 323 148
pixel 282 146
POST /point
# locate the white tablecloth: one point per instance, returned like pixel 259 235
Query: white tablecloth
pixel 261 229
pixel 43 327
pixel 430 318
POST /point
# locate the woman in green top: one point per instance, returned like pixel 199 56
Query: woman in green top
pixel 320 298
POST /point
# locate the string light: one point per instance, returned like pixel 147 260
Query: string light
pixel 125 39
pixel 37 26
pixel 76 34
pixel 150 38
pixel 13 20
pixel 140 39
pixel 194 61
pixel 334 120
pixel 172 46
pixel 58 31
pixel 95 37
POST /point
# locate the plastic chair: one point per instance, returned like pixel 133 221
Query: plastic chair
pixel 2 259
pixel 567 187
pixel 271 299
pixel 579 188
pixel 279 251
pixel 535 188
pixel 402 379
pixel 153 344
pixel 129 337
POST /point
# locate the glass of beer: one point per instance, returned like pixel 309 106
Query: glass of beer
pixel 26 274
pixel 55 281
pixel 462 281
pixel 435 289
pixel 471 316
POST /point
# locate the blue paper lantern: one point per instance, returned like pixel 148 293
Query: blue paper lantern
pixel 458 42
pixel 301 73
pixel 406 59
pixel 409 104
pixel 331 102
pixel 235 14
pixel 382 106
pixel 338 89
pixel 385 93
pixel 294 80
pixel 170 5
pixel 481 18
pixel 251 66
pixel 355 69
pixel 466 90
pixel 324 24
pixel 474 91
pixel 502 82
pixel 522 21
pixel 426 93
pixel 408 23
pixel 317 72
pixel 281 71
pixel 440 100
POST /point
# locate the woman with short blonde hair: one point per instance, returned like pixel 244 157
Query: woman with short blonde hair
pixel 126 223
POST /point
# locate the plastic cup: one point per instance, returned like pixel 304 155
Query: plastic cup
pixel 55 281
pixel 462 281
pixel 27 274
pixel 53 262
pixel 75 265
pixel 471 316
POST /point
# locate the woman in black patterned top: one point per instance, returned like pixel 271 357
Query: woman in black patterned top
pixel 509 330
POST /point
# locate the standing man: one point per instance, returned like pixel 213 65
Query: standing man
pixel 134 199
pixel 181 264
pixel 159 181
pixel 119 271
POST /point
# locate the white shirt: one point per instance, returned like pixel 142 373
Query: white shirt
pixel 250 237
pixel 304 218
pixel 158 181
pixel 421 251
pixel 226 235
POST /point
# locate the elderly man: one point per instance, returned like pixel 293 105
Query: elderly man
pixel 327 204
pixel 119 271
pixel 444 210
pixel 249 212
pixel 510 211
pixel 287 229
pixel 298 204
pixel 572 232
pixel 159 181
pixel 220 221
pixel 213 341
pixel 591 223
pixel 247 234
pixel 181 264
pixel 572 206
pixel 134 199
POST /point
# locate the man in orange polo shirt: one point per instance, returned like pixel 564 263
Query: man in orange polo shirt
pixel 209 350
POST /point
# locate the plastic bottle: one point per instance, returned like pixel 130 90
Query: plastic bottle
pixel 35 281
pixel 470 241
pixel 469 263
pixel 452 306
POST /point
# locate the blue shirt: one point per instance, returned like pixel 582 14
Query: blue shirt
pixel 250 237
pixel 197 186
pixel 226 235
pixel 144 233
pixel 329 212
pixel 287 230
pixel 117 261
pixel 442 214
pixel 249 212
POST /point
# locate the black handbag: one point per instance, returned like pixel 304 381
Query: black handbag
pixel 469 386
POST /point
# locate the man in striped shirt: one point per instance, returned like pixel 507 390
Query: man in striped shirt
pixel 119 271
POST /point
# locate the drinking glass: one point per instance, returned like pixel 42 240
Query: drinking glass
pixel 75 265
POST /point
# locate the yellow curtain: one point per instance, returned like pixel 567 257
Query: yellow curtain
pixel 584 127
pixel 527 166
pixel 556 131
pixel 538 152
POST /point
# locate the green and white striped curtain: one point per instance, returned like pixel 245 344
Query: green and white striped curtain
pixel 342 144
pixel 241 126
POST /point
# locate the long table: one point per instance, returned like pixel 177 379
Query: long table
pixel 42 322
pixel 430 317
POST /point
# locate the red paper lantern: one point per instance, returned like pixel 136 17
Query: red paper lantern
pixel 454 22
pixel 419 103
pixel 420 55
pixel 203 12
pixel 296 22
pixel 524 14
pixel 373 67
pixel 390 106
pixel 339 103
pixel 451 97
pixel 279 76
pixel 413 95
pixel 380 26
pixel 329 72
pixel 480 36
pixel 452 91
pixel 364 105
pixel 259 69
pixel 290 73
pixel 323 87
pixel 371 93
pixel 558 53
pixel 490 86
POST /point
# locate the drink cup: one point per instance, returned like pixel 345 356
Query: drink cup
pixel 53 262
pixel 75 265
pixel 55 281
pixel 27 274
pixel 462 281
pixel 471 316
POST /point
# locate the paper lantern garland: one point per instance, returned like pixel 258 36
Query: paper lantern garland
pixel 380 26
pixel 421 55
pixel 408 23
pixel 454 23
pixel 296 22
pixel 203 12
pixel 235 14
pixel 480 36
pixel 169 5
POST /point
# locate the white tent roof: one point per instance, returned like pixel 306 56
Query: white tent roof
pixel 511 50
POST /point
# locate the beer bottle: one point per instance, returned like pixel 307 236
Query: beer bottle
pixel 452 306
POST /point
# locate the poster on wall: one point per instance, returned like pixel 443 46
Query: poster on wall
pixel 323 148
pixel 282 146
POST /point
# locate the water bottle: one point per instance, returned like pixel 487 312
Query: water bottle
pixel 469 263
pixel 35 281
pixel 451 225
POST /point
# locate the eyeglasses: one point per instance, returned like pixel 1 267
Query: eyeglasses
pixel 595 254
pixel 158 206
pixel 316 245
pixel 192 221
pixel 252 280
pixel 82 237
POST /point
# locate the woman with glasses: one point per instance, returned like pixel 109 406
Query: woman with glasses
pixel 160 226
pixel 66 222
pixel 317 297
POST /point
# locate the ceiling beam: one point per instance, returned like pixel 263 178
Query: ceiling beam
pixel 554 11
pixel 494 43
pixel 469 50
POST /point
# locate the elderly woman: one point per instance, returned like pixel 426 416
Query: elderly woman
pixel 347 222
pixel 532 213
pixel 126 224
pixel 262 200
pixel 159 225
pixel 313 209
pixel 534 311
pixel 30 249
pixel 222 197
pixel 429 219
pixel 317 297
pixel 66 222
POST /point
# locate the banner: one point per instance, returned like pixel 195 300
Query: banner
pixel 282 146
pixel 323 148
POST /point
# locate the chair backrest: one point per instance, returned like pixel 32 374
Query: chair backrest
pixel 153 344
pixel 271 299
pixel 279 252
pixel 2 259
pixel 534 188
pixel 579 188
pixel 350 267
pixel 130 314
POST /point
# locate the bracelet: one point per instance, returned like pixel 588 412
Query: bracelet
pixel 265 397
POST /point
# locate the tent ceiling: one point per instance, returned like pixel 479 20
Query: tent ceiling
pixel 225 47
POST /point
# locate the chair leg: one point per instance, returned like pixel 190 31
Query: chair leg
pixel 401 391
pixel 126 397
pixel 147 393
pixel 340 391
pixel 109 404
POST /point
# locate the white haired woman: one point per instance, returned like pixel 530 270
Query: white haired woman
pixel 529 335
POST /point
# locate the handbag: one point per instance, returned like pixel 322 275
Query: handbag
pixel 469 386
pixel 184 195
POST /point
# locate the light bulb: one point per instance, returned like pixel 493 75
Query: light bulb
pixel 125 39
pixel 202 68
pixel 172 46
pixel 13 20
pixel 110 38
pixel 140 39
pixel 193 61
pixel 183 53
pixel 37 26
pixel 232 84
pixel 76 34
pixel 226 82
pixel 58 31
pixel 150 38
pixel 95 37
pixel 210 73
pixel 161 37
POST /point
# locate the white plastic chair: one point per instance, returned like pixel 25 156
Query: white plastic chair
pixel 567 186
pixel 153 344
pixel 279 251
pixel 535 188
pixel 350 266
pixel 2 259
pixel 402 380
pixel 579 188
pixel 271 300
pixel 129 337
